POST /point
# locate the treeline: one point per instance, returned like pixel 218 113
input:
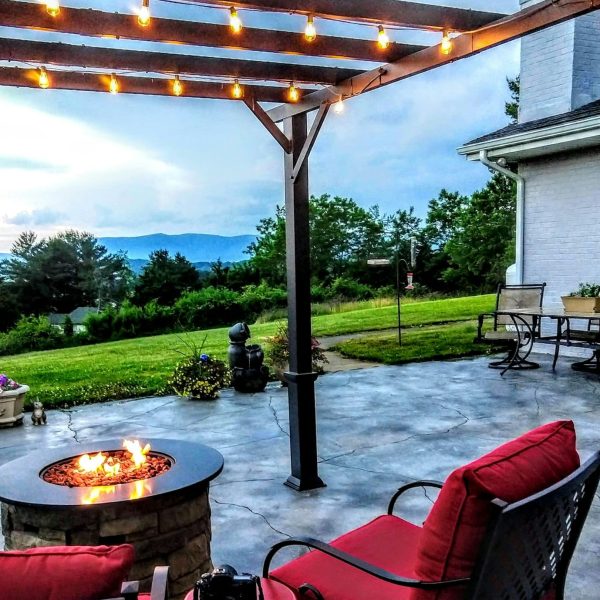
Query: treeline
pixel 464 244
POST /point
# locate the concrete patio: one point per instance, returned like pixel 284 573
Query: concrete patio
pixel 378 428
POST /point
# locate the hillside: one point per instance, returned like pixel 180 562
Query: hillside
pixel 196 247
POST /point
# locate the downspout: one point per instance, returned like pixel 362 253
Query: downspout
pixel 520 216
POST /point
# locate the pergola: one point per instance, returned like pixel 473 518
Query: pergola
pixel 306 88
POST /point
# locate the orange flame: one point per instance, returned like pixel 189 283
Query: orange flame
pixel 96 492
pixel 138 454
pixel 88 463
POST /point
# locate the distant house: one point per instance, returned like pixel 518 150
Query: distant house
pixel 77 316
pixel 555 151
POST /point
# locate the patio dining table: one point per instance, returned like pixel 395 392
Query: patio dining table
pixel 562 334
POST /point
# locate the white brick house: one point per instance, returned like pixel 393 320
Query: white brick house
pixel 554 150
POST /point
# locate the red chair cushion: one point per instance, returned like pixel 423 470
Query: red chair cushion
pixel 387 542
pixel 455 527
pixel 64 572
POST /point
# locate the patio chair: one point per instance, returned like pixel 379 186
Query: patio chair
pixel 591 337
pixel 502 528
pixel 516 332
pixel 75 573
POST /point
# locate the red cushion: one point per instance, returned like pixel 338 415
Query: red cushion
pixel 455 528
pixel 387 542
pixel 64 572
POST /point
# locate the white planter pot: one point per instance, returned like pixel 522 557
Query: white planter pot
pixel 11 406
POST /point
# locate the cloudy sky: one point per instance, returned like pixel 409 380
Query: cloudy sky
pixel 133 165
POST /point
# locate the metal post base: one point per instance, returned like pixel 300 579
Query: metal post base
pixel 304 484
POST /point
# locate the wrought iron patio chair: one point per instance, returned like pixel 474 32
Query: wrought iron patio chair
pixel 516 332
pixel 525 554
pixel 589 337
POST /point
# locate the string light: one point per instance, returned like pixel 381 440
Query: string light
pixel 310 31
pixel 236 90
pixel 113 87
pixel 446 45
pixel 382 38
pixel 338 107
pixel 177 86
pixel 43 80
pixel 293 93
pixel 52 7
pixel 144 14
pixel 234 21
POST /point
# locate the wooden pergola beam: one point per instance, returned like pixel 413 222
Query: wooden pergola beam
pixel 375 12
pixel 96 23
pixel 540 16
pixel 152 86
pixel 52 53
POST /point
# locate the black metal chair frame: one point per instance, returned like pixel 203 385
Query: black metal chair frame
pixel 159 591
pixel 521 344
pixel 592 364
pixel 526 551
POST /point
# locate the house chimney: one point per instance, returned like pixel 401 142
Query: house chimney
pixel 560 67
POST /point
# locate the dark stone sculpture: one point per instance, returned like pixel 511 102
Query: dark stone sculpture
pixel 246 362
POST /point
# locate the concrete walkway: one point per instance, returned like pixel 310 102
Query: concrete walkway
pixel 378 428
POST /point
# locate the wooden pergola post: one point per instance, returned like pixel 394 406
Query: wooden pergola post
pixel 301 379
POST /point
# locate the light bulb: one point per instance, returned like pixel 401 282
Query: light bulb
pixel 382 38
pixel 293 94
pixel 446 45
pixel 177 86
pixel 237 91
pixel 144 14
pixel 338 107
pixel 113 87
pixel 234 21
pixel 310 31
pixel 43 80
pixel 52 7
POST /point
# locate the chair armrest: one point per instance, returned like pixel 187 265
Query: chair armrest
pixel 358 564
pixel 160 584
pixel 130 590
pixel 409 486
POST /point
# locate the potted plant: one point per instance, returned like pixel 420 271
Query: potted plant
pixel 585 299
pixel 12 400
pixel 199 376
pixel 278 354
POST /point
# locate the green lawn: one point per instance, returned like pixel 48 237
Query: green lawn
pixel 418 344
pixel 140 366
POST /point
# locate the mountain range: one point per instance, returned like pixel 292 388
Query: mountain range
pixel 199 248
pixel 196 247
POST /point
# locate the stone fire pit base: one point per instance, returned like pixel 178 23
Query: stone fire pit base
pixel 169 530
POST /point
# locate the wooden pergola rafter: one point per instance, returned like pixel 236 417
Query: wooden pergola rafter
pixel 88 68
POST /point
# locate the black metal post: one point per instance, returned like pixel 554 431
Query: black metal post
pixel 301 379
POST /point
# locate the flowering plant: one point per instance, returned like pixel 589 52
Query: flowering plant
pixel 199 376
pixel 279 350
pixel 7 384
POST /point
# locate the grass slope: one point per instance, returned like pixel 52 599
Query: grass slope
pixel 141 366
pixel 418 344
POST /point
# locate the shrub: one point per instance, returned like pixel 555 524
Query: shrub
pixel 68 327
pixel 350 289
pixel 278 352
pixel 210 306
pixel 256 299
pixel 30 333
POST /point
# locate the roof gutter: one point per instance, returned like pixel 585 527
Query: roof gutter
pixel 520 216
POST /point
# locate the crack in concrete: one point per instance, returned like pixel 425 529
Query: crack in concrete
pixel 221 483
pixel 70 424
pixel 276 417
pixel 253 512
pixel 537 402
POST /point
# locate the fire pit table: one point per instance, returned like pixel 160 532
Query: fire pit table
pixel 165 514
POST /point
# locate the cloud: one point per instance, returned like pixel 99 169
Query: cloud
pixel 44 216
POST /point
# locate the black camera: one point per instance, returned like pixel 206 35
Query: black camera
pixel 224 583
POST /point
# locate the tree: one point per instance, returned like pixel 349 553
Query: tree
pixel 165 278
pixel 343 235
pixel 63 272
pixel 511 108
pixel 482 246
